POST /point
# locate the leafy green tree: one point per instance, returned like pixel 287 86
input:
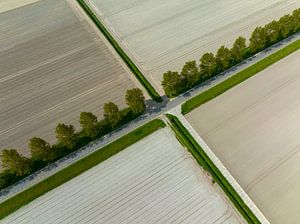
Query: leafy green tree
pixel 190 72
pixel 135 99
pixel 172 83
pixel 208 65
pixel 112 113
pixel 272 32
pixel 296 20
pixel 223 58
pixel 41 149
pixel 88 122
pixel 285 25
pixel 238 49
pixel 65 134
pixel 14 162
pixel 258 39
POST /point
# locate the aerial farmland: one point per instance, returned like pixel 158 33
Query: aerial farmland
pixel 160 36
pixel 254 129
pixel 232 160
pixel 53 65
pixel 153 181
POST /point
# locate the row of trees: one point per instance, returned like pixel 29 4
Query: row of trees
pixel 69 140
pixel 175 83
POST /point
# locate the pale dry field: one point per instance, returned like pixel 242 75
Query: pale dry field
pixel 53 65
pixel 6 5
pixel 162 35
pixel 152 181
pixel 254 129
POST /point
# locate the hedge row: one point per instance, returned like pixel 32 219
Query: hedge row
pixel 238 78
pixel 175 83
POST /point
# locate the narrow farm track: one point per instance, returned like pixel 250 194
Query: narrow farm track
pixel 53 65
pixel 145 183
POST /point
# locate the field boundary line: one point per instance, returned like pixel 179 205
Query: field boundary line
pixel 274 167
pixel 134 69
pixel 223 170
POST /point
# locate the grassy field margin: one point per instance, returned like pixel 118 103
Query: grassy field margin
pixel 138 74
pixel 241 76
pixel 199 154
pixel 23 198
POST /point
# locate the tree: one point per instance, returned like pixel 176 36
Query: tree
pixel 66 135
pixel 172 83
pixel 15 162
pixel 208 65
pixel 135 99
pixel 190 73
pixel 88 122
pixel 285 26
pixel 258 40
pixel 223 58
pixel 296 20
pixel 272 32
pixel 238 49
pixel 41 149
pixel 112 113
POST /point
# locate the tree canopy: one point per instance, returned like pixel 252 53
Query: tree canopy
pixel 88 122
pixel 208 65
pixel 258 39
pixel 172 83
pixel 296 20
pixel 272 32
pixel 41 149
pixel 15 162
pixel 112 113
pixel 66 135
pixel 238 49
pixel 190 72
pixel 223 58
pixel 135 99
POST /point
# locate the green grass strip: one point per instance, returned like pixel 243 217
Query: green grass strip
pixel 23 198
pixel 152 92
pixel 199 154
pixel 238 78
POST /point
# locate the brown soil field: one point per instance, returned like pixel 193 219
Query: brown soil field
pixel 53 65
